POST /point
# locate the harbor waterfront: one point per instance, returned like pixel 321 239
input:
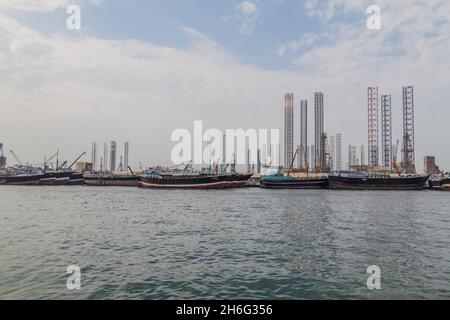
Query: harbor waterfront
pixel 248 243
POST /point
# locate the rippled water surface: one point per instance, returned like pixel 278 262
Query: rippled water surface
pixel 231 244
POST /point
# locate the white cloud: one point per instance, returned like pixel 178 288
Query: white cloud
pixel 306 40
pixel 247 7
pixel 246 17
pixel 41 5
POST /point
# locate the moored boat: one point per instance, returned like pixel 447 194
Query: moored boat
pixel 111 180
pixel 437 183
pixel 31 179
pixel 366 181
pixel 280 181
pixel 169 180
pixel 76 179
pixel 239 180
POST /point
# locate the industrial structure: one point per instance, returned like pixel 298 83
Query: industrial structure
pixel 386 130
pixel 104 166
pixel 312 154
pixel 429 165
pixel 339 151
pixel 352 159
pixel 372 103
pixel 320 137
pixel 94 156
pixel 258 162
pixel 112 156
pixel 2 157
pixel 408 149
pixel 363 155
pixel 288 129
pixel 126 156
pixel 303 135
pixel 332 155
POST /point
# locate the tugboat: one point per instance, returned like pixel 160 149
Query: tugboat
pixel 282 181
pixel 437 182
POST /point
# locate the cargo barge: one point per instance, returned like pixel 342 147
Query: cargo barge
pixel 366 181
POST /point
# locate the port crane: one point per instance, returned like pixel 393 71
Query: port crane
pixel 79 157
pixel 16 158
pixel 291 168
pixel 394 160
pixel 62 165
pixel 49 160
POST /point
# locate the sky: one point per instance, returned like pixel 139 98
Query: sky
pixel 139 69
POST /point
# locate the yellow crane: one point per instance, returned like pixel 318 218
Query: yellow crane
pixel 394 160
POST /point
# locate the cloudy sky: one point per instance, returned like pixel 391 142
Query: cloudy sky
pixel 137 70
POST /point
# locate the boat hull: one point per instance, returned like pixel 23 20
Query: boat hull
pixel 239 181
pixel 359 183
pixel 296 184
pixel 200 186
pixel 76 179
pixel 111 181
pixel 22 180
pixel 186 182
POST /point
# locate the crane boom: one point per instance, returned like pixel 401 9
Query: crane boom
pixel 292 163
pixel 50 159
pixel 81 155
pixel 394 162
pixel 16 158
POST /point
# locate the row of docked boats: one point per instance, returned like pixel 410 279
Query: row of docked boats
pixel 164 179
pixel 347 180
pixel 50 178
pixel 156 179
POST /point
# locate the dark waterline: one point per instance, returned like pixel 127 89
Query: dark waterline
pixel 229 244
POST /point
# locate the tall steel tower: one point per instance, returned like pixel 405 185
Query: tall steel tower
pixel 408 150
pixel 105 157
pixel 112 157
pixel 319 131
pixel 372 103
pixel 363 155
pixel 303 134
pixel 288 129
pixel 339 152
pixel 2 157
pixel 386 130
pixel 332 156
pixel 312 154
pixel 94 156
pixel 126 156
